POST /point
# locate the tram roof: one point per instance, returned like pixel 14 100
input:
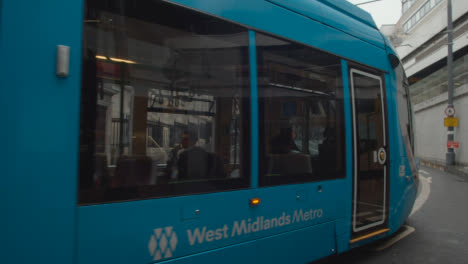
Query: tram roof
pixel 320 9
pixel 351 10
pixel 338 14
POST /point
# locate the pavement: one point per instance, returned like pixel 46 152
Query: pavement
pixel 459 169
pixel 437 229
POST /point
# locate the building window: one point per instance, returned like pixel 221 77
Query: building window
pixel 301 113
pixel 407 4
pixel 420 14
pixel 165 103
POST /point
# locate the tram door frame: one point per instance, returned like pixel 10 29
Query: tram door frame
pixel 378 159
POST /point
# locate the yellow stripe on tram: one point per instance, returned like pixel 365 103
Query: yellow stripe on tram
pixel 378 232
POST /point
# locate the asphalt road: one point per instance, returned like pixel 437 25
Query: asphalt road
pixel 440 222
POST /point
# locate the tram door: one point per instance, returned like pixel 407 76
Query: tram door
pixel 370 187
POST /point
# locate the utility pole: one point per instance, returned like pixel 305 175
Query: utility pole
pixel 450 155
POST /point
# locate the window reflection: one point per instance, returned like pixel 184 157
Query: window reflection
pixel 369 121
pixel 301 105
pixel 164 102
pixel 405 114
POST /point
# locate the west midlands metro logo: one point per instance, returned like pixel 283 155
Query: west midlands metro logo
pixel 162 243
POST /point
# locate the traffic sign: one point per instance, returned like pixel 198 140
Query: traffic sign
pixel 453 144
pixel 450 111
pixel 451 121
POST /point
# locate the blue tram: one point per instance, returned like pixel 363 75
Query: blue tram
pixel 191 131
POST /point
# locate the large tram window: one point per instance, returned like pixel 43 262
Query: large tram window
pixel 301 105
pixel 164 102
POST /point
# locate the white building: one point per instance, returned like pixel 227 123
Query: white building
pixel 420 38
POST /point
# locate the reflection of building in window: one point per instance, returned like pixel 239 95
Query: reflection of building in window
pixel 185 77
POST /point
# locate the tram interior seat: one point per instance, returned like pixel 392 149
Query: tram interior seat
pixel 133 171
pixel 101 172
pixel 290 163
pixel 193 164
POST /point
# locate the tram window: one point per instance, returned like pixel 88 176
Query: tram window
pixel 404 108
pixel 405 115
pixel 301 105
pixel 165 103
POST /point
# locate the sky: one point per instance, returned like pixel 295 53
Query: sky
pixel 383 12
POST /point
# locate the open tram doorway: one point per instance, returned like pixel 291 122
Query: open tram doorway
pixel 370 168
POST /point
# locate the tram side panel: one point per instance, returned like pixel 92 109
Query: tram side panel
pixel 201 113
pixel 153 229
pixel 40 130
pixel 404 171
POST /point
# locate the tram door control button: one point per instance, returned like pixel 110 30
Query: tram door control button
pixel 382 156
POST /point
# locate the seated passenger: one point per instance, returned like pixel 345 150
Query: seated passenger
pixel 283 142
pixel 327 156
pixel 172 162
pixel 194 162
pixel 285 157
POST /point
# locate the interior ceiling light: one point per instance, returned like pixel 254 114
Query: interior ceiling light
pixel 100 57
pixel 122 60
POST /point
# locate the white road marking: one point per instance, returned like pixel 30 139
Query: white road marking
pixel 408 230
pixel 424 172
pixel 424 195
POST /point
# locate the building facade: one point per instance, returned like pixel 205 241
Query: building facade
pixel 420 38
